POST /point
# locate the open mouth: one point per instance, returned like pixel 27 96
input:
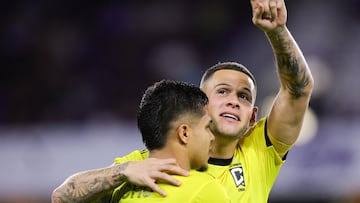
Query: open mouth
pixel 231 116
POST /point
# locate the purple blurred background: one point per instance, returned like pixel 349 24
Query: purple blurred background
pixel 73 74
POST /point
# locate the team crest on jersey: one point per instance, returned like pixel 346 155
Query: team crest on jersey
pixel 237 173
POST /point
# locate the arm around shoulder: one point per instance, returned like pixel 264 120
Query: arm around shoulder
pixel 91 185
pixel 97 184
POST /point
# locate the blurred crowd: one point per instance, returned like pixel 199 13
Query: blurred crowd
pixel 71 62
pixel 74 62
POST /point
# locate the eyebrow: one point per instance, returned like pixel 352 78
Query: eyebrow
pixel 225 84
pixel 220 84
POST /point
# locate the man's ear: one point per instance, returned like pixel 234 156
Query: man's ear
pixel 183 133
pixel 253 115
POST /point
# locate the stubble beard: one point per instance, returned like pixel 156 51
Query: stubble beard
pixel 223 132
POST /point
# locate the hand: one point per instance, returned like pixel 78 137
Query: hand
pixel 149 171
pixel 269 14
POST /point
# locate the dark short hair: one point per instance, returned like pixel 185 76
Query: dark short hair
pixel 226 66
pixel 161 104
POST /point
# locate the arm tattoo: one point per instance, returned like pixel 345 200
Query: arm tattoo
pixel 294 75
pixel 90 185
pixel 291 65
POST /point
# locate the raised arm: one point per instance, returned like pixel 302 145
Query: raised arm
pixel 288 110
pixel 98 184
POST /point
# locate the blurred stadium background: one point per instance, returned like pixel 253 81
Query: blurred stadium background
pixel 72 74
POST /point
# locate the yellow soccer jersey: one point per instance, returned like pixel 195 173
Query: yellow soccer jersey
pixel 198 187
pixel 253 169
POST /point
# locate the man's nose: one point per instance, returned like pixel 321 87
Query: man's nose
pixel 233 102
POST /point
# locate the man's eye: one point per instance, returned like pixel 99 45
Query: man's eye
pixel 222 91
pixel 244 96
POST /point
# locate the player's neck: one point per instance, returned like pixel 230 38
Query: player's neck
pixel 171 152
pixel 223 148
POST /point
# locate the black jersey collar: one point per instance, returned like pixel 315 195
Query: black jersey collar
pixel 220 162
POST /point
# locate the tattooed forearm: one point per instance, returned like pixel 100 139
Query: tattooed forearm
pixel 118 173
pixel 90 185
pixel 292 67
pixel 294 76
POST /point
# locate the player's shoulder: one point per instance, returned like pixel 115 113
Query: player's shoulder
pixel 260 124
pixel 135 155
pixel 257 128
pixel 209 189
pixel 201 177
